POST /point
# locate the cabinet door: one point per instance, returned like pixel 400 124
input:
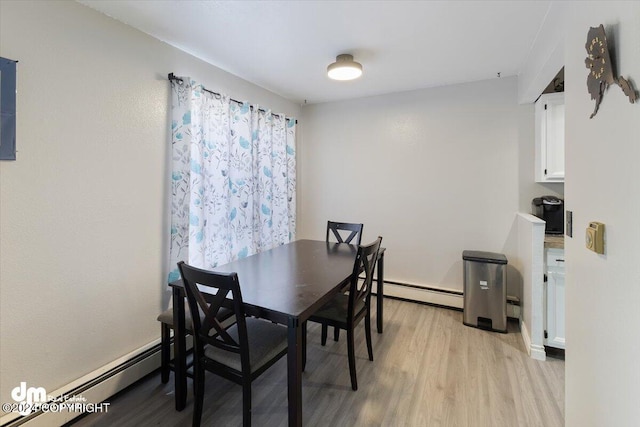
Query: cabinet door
pixel 555 308
pixel 549 112
pixel 554 139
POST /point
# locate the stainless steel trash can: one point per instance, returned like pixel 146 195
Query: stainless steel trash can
pixel 485 290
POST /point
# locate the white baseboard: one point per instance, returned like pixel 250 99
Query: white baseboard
pixel 536 352
pixel 99 385
pixel 95 387
pixel 438 296
pixel 513 310
pixel 526 338
pixel 431 295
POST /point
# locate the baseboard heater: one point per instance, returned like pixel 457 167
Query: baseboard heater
pixel 97 387
pixel 441 297
pixel 103 383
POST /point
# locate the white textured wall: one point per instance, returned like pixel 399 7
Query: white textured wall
pixel 83 219
pixel 433 171
pixel 603 184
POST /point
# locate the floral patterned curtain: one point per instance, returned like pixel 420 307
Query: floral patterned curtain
pixel 233 183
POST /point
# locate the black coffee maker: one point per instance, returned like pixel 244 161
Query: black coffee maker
pixel 551 210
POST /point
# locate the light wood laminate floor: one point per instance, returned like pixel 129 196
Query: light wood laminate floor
pixel 429 370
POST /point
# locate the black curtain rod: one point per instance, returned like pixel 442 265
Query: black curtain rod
pixel 172 77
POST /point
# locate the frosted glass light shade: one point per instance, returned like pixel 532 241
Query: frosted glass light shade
pixel 345 68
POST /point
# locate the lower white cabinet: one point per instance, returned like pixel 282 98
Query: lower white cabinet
pixel 554 298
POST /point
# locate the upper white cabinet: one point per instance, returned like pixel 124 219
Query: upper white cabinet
pixel 549 112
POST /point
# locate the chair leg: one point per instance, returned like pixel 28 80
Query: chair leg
pixel 246 403
pixel 352 358
pixel 304 345
pixel 336 333
pixel 323 339
pixel 367 329
pixel 165 352
pixel 198 374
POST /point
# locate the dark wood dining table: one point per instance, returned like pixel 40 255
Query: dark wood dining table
pixel 286 285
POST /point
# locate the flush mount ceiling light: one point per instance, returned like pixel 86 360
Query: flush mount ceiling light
pixel 345 68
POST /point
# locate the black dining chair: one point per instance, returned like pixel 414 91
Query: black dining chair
pixel 166 325
pixel 345 311
pixel 339 230
pixel 239 353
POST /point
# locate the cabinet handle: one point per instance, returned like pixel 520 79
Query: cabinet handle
pixel 559 260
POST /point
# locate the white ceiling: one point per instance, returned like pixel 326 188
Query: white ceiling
pixel 285 46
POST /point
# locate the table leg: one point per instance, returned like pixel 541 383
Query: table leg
pixel 380 292
pixel 294 372
pixel 179 349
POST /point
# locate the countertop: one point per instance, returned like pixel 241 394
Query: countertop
pixel 554 241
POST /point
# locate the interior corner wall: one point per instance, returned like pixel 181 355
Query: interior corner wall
pixel 546 56
pixel 544 60
pixel 83 209
pixel 433 171
pixel 603 184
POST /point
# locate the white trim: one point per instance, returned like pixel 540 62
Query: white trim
pixel 536 352
pixel 546 56
pixel 436 295
pixel 430 295
pixel 513 311
pixel 99 392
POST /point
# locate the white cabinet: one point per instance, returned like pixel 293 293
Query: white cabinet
pixel 549 111
pixel 554 298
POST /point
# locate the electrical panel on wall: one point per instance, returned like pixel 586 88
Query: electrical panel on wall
pixel 7 109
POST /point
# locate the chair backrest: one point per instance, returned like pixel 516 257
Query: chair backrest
pixel 365 263
pixel 207 291
pixel 354 229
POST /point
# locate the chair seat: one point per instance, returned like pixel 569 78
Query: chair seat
pixel 265 339
pixel 167 316
pixel 337 309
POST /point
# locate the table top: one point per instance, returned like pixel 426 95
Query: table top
pixel 292 280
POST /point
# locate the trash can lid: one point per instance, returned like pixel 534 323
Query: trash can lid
pixel 480 256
